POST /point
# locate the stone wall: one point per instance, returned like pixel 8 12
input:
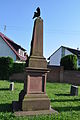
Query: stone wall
pixel 54 74
pixel 72 77
pixel 58 74
pixel 17 77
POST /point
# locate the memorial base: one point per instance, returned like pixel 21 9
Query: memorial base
pixel 34 96
pixel 33 113
pixel 34 102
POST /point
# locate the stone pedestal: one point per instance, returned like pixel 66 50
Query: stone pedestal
pixel 34 94
pixel 34 102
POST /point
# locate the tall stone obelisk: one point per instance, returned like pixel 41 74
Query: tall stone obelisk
pixel 34 97
pixel 36 58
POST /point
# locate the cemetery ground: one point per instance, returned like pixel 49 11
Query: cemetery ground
pixel 59 94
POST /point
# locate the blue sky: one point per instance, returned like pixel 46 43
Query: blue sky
pixel 61 22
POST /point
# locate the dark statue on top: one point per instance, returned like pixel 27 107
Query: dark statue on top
pixel 37 13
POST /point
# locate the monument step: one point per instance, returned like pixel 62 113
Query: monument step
pixel 36 96
pixel 39 112
pixel 35 104
pixel 34 99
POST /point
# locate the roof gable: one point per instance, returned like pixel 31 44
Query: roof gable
pixel 54 53
pixel 74 51
pixel 14 47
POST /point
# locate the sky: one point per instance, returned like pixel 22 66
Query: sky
pixel 61 22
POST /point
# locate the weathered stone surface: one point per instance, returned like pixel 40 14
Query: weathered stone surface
pixel 34 94
pixel 37 62
pixel 35 102
pixel 35 81
pixel 38 112
pixel 37 38
pixel 36 58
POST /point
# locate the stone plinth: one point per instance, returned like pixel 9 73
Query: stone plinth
pixel 34 102
pixel 35 97
pixel 38 112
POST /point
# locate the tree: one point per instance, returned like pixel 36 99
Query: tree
pixel 69 62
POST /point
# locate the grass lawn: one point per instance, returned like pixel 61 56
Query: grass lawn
pixel 67 106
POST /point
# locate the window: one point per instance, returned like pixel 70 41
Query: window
pixel 21 52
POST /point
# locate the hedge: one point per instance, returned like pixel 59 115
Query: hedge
pixel 6 64
pixel 69 62
pixel 18 67
pixel 8 67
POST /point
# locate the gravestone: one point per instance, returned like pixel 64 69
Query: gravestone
pixel 33 97
pixel 11 86
pixel 74 90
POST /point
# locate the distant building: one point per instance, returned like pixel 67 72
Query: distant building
pixel 11 49
pixel 55 58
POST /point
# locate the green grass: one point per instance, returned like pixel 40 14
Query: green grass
pixel 67 106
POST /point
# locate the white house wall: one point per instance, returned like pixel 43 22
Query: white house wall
pixel 55 58
pixel 5 50
pixel 67 52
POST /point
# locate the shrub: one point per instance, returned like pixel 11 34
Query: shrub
pixel 8 67
pixel 6 64
pixel 18 67
pixel 69 62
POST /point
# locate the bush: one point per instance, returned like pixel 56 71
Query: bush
pixel 6 64
pixel 69 62
pixel 18 67
pixel 8 67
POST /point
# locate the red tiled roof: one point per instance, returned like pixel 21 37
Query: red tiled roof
pixel 12 45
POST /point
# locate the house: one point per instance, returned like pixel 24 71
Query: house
pixel 11 49
pixel 55 58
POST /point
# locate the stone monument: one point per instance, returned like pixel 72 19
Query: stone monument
pixel 34 97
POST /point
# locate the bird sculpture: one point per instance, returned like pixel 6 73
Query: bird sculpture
pixel 37 13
